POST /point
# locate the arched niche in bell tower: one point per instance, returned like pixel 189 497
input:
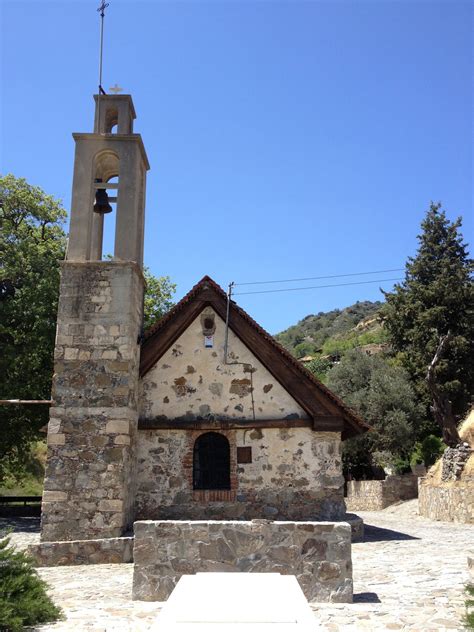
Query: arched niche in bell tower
pixel 106 168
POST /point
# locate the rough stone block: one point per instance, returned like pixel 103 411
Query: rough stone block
pixel 71 353
pixel 111 505
pixel 109 354
pixel 122 440
pixel 56 438
pixel 119 426
pixel 53 496
pixel 54 425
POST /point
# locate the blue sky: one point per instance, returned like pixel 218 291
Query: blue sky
pixel 286 139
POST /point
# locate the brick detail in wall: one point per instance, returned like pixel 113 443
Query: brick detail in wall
pixel 212 495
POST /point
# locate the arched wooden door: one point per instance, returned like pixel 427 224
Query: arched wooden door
pixel 211 462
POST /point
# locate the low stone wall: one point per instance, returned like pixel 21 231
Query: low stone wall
pixel 450 502
pixel 357 527
pixel 318 553
pixel 376 495
pixel 75 552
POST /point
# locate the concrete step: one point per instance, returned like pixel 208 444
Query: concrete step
pixel 237 601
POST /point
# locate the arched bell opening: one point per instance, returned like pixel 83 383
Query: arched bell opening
pixel 106 187
pixel 111 120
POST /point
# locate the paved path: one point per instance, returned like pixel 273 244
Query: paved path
pixel 409 574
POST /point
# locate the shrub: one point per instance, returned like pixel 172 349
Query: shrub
pixel 23 597
pixel 469 618
pixel 416 457
pixel 402 466
pixel 432 448
pixel 428 450
pixel 319 367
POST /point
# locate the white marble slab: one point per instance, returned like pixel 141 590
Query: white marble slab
pixel 237 601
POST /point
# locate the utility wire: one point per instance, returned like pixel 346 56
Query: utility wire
pixel 314 287
pixel 317 278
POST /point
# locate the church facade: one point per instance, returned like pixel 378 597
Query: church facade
pixel 247 434
pixel 206 417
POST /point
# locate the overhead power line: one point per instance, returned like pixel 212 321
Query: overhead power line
pixel 318 278
pixel 314 287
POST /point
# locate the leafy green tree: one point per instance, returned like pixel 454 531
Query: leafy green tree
pixel 428 451
pixel 382 394
pixel 32 242
pixel 159 294
pixel 23 597
pixel 429 317
pixel 303 349
pixel 320 366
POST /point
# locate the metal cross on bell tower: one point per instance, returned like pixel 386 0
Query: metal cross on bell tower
pixel 101 11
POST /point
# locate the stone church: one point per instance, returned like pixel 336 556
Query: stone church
pixel 205 416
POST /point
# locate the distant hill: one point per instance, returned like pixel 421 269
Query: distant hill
pixel 332 333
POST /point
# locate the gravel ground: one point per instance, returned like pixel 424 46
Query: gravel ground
pixel 409 574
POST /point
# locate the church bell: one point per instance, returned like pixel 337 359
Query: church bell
pixel 102 204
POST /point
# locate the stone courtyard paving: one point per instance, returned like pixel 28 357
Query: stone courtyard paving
pixel 409 574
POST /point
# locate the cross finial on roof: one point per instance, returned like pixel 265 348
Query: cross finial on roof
pixel 103 6
pixel 116 89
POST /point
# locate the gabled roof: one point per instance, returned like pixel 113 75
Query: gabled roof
pixel 327 411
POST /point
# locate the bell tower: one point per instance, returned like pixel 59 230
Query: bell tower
pixel 89 483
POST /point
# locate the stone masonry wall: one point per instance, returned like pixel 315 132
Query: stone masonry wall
pixel 90 481
pixel 77 552
pixel 294 474
pixel 376 495
pixel 319 554
pixel 191 382
pixel 449 502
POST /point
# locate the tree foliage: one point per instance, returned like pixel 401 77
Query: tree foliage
pixel 32 242
pixel 436 301
pixel 311 334
pixel 23 597
pixel 469 616
pixel 320 367
pixel 159 294
pixel 428 450
pixel 383 396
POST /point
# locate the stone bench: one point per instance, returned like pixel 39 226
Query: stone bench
pixel 317 553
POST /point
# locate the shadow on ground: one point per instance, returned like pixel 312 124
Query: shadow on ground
pixel 26 525
pixel 377 534
pixel 366 597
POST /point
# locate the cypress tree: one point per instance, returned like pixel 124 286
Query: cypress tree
pixel 429 317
